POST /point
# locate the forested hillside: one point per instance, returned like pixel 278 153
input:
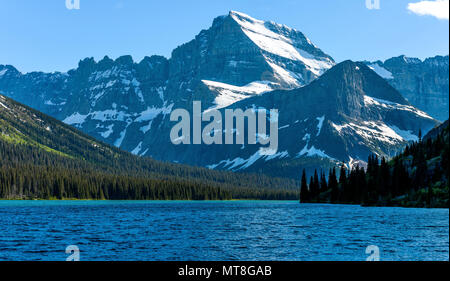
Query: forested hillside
pixel 41 157
pixel 418 177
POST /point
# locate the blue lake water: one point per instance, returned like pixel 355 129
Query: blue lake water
pixel 236 230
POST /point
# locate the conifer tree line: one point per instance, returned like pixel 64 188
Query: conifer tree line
pixel 30 173
pixel 418 177
pixel 43 158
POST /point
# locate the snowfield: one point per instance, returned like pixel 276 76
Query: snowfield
pixel 278 44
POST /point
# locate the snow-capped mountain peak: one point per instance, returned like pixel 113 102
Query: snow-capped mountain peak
pixel 283 41
pixel 328 113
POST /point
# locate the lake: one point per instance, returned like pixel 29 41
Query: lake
pixel 232 230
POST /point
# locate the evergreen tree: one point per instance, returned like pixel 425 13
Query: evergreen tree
pixel 314 187
pixel 304 193
pixel 342 184
pixel 333 186
pixel 323 182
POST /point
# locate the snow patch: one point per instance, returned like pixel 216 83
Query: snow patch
pixel 381 71
pixel 281 154
pixel 137 149
pixel 406 135
pixel 371 130
pixel 288 77
pixel 319 126
pixel 119 141
pixel 146 128
pixel 229 94
pixel 108 132
pixel 370 101
pixel 151 112
pixel 312 152
pixel 353 163
pixel 49 102
pixel 109 114
pixel 144 152
pixel 241 164
pixel 75 118
pixel 278 44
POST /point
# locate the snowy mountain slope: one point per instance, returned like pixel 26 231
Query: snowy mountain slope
pixel 328 114
pixel 123 102
pixel 239 50
pixel 342 117
pixel 228 94
pixel 104 99
pixel 284 42
pixel 381 71
pixel 423 83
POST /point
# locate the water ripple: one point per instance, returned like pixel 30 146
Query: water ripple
pixel 242 230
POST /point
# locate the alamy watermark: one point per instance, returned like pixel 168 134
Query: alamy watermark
pixel 373 4
pixel 74 253
pixel 73 4
pixel 215 133
pixel 373 252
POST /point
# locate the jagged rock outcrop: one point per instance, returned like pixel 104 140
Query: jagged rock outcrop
pixel 423 83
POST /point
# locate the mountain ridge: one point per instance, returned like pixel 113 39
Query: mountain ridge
pixel 235 61
pixel 423 82
pixel 32 141
pixel 343 116
pixel 120 101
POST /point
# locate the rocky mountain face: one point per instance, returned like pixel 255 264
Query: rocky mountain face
pixel 423 83
pixel 101 98
pixel 247 56
pixel 342 117
pixel 242 62
pixel 122 102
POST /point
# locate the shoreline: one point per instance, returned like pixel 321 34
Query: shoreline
pixel 212 201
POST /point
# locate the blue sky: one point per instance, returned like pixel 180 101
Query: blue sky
pixel 44 35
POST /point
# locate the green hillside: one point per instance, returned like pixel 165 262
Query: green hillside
pixel 43 158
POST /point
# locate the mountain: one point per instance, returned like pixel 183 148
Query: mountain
pixel 423 83
pixel 342 117
pixel 246 56
pixel 102 99
pixel 328 113
pixel 122 102
pixel 41 157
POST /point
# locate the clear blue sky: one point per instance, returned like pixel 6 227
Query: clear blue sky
pixel 44 35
